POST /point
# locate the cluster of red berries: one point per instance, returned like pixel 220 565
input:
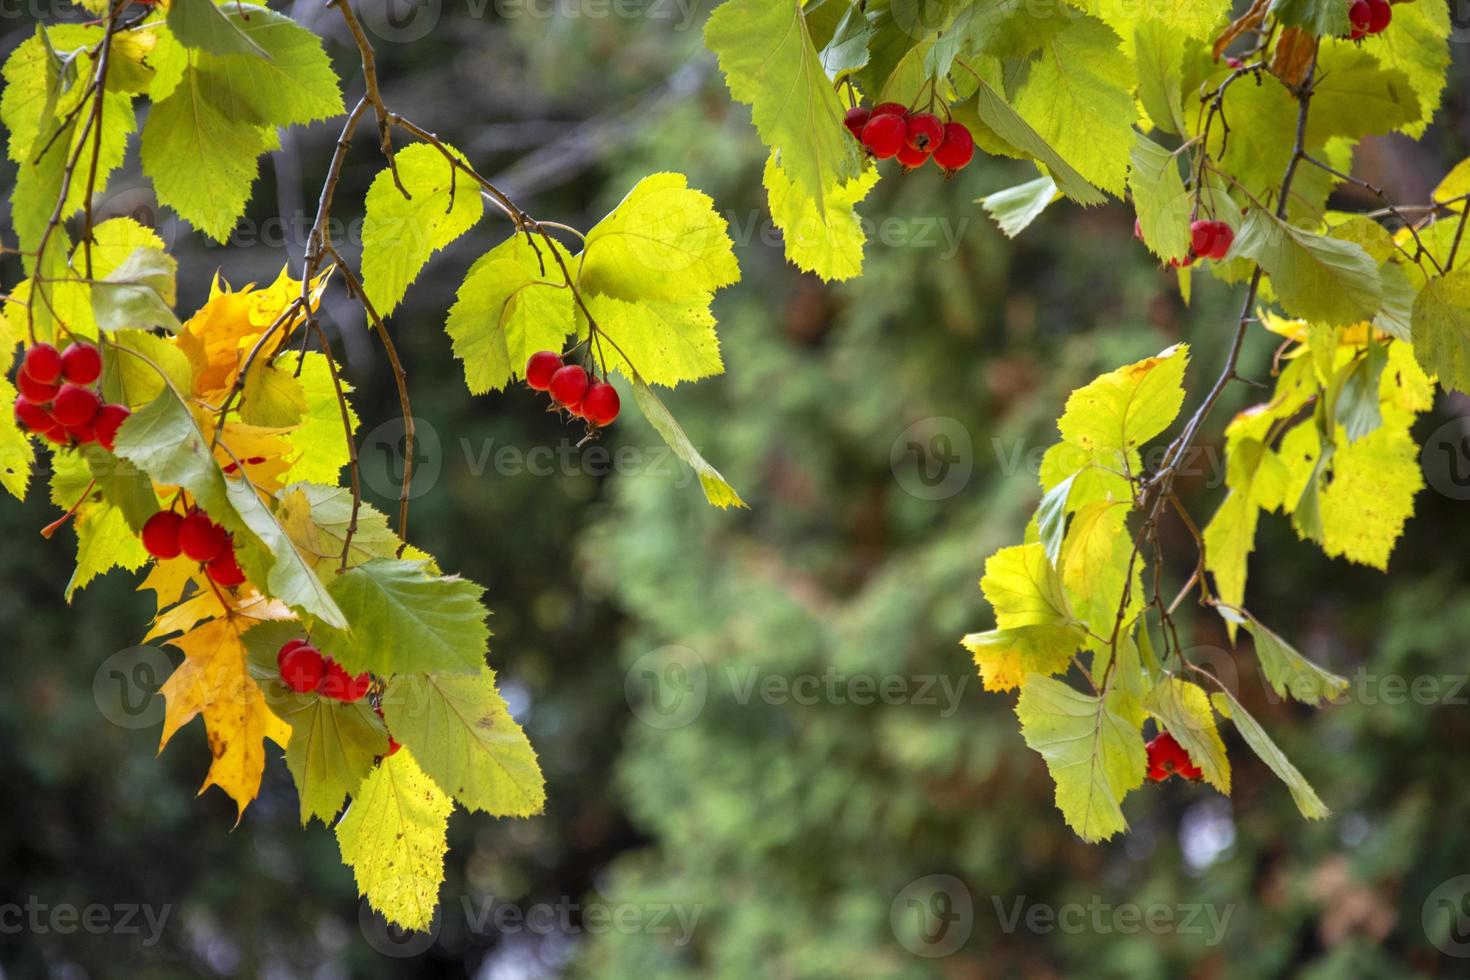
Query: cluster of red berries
pixel 573 389
pixel 1166 758
pixel 167 535
pixel 1207 240
pixel 57 400
pixel 891 130
pixel 1369 17
pixel 305 671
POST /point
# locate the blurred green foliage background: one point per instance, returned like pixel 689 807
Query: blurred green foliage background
pixel 706 817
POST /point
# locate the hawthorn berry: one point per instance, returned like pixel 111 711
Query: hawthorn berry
pixel 84 433
pixel 568 385
pixel 81 363
pixel 912 159
pixel 33 391
pixel 31 416
pixel 42 363
pixel 225 569
pixel 1202 238
pixel 339 685
pixel 540 368
pixel 1224 238
pixel 1360 15
pixel 1166 757
pixel 303 669
pixel 393 745
pixel 884 135
pixel 956 149
pixel 924 132
pixel 201 538
pixel 108 421
pixel 75 405
pixel 1380 14
pixel 601 403
pixel 161 534
pixel 890 109
pixel 856 118
pixel 287 647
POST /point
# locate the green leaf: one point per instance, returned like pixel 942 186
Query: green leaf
pixel 1287 671
pixel 401 618
pixel 1315 277
pixel 461 732
pixel 1441 328
pixel 1320 18
pixel 138 365
pixel 122 485
pixel 289 575
pixel 1051 518
pixel 828 239
pixel 1123 409
pixel 1035 631
pixel 271 397
pixel 674 340
pixel 17 455
pixel 1417 44
pixel 1160 199
pixel 1094 755
pixel 1159 54
pixel 507 309
pixel 163 440
pixel 1307 801
pixel 716 489
pixel 771 64
pixel 400 234
pixel 104 539
pixel 293 85
pixel 1016 207
pixel 201 160
pixel 318 516
pixel 201 24
pixel 994 113
pixel 1357 400
pixel 1078 99
pixel 332 748
pixel 140 292
pixel 393 838
pixel 1184 709
pixel 318 445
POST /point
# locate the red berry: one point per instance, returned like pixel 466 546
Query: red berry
pixel 338 685
pixel 890 109
pixel 1202 238
pixel 286 648
pixel 35 392
pixel 108 421
pixel 225 569
pixel 600 405
pixel 303 668
pixel 42 363
pixel 161 534
pixel 568 385
pixel 856 118
pixel 884 135
pixel 393 745
pixel 84 433
pixel 81 363
pixel 31 416
pixel 75 405
pixel 1380 13
pixel 1233 61
pixel 1360 15
pixel 1166 757
pixel 924 132
pixel 956 150
pixel 57 434
pixel 912 159
pixel 540 368
pixel 200 538
pixel 357 687
pixel 1224 238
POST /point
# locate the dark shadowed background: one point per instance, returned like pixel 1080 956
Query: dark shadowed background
pixel 766 752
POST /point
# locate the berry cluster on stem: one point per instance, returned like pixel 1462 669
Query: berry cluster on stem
pixel 305 670
pixel 58 399
pixel 571 388
pixel 914 138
